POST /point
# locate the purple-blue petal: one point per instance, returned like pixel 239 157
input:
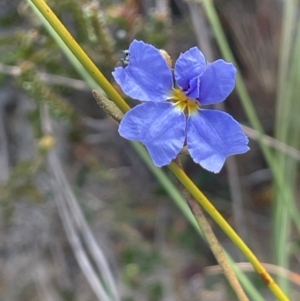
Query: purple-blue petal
pixel 147 76
pixel 194 88
pixel 159 126
pixel 212 136
pixel 190 64
pixel 216 82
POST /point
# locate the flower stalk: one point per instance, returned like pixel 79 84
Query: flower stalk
pixel 218 218
pixel 79 53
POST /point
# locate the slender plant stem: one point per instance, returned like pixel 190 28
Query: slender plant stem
pixel 181 203
pixel 218 218
pixel 80 54
pixel 285 105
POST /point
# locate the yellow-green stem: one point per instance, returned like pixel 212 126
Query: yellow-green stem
pixel 80 54
pixel 218 218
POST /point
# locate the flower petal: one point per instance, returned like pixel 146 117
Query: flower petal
pixel 194 88
pixel 216 82
pixel 212 136
pixel 190 64
pixel 159 126
pixel 147 76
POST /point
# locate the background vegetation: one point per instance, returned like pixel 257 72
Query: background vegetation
pixel 74 222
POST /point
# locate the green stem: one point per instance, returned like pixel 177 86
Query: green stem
pixel 218 218
pixel 80 54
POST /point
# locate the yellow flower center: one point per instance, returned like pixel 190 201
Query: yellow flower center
pixel 188 105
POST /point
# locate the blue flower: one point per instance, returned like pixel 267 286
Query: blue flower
pixel 171 115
